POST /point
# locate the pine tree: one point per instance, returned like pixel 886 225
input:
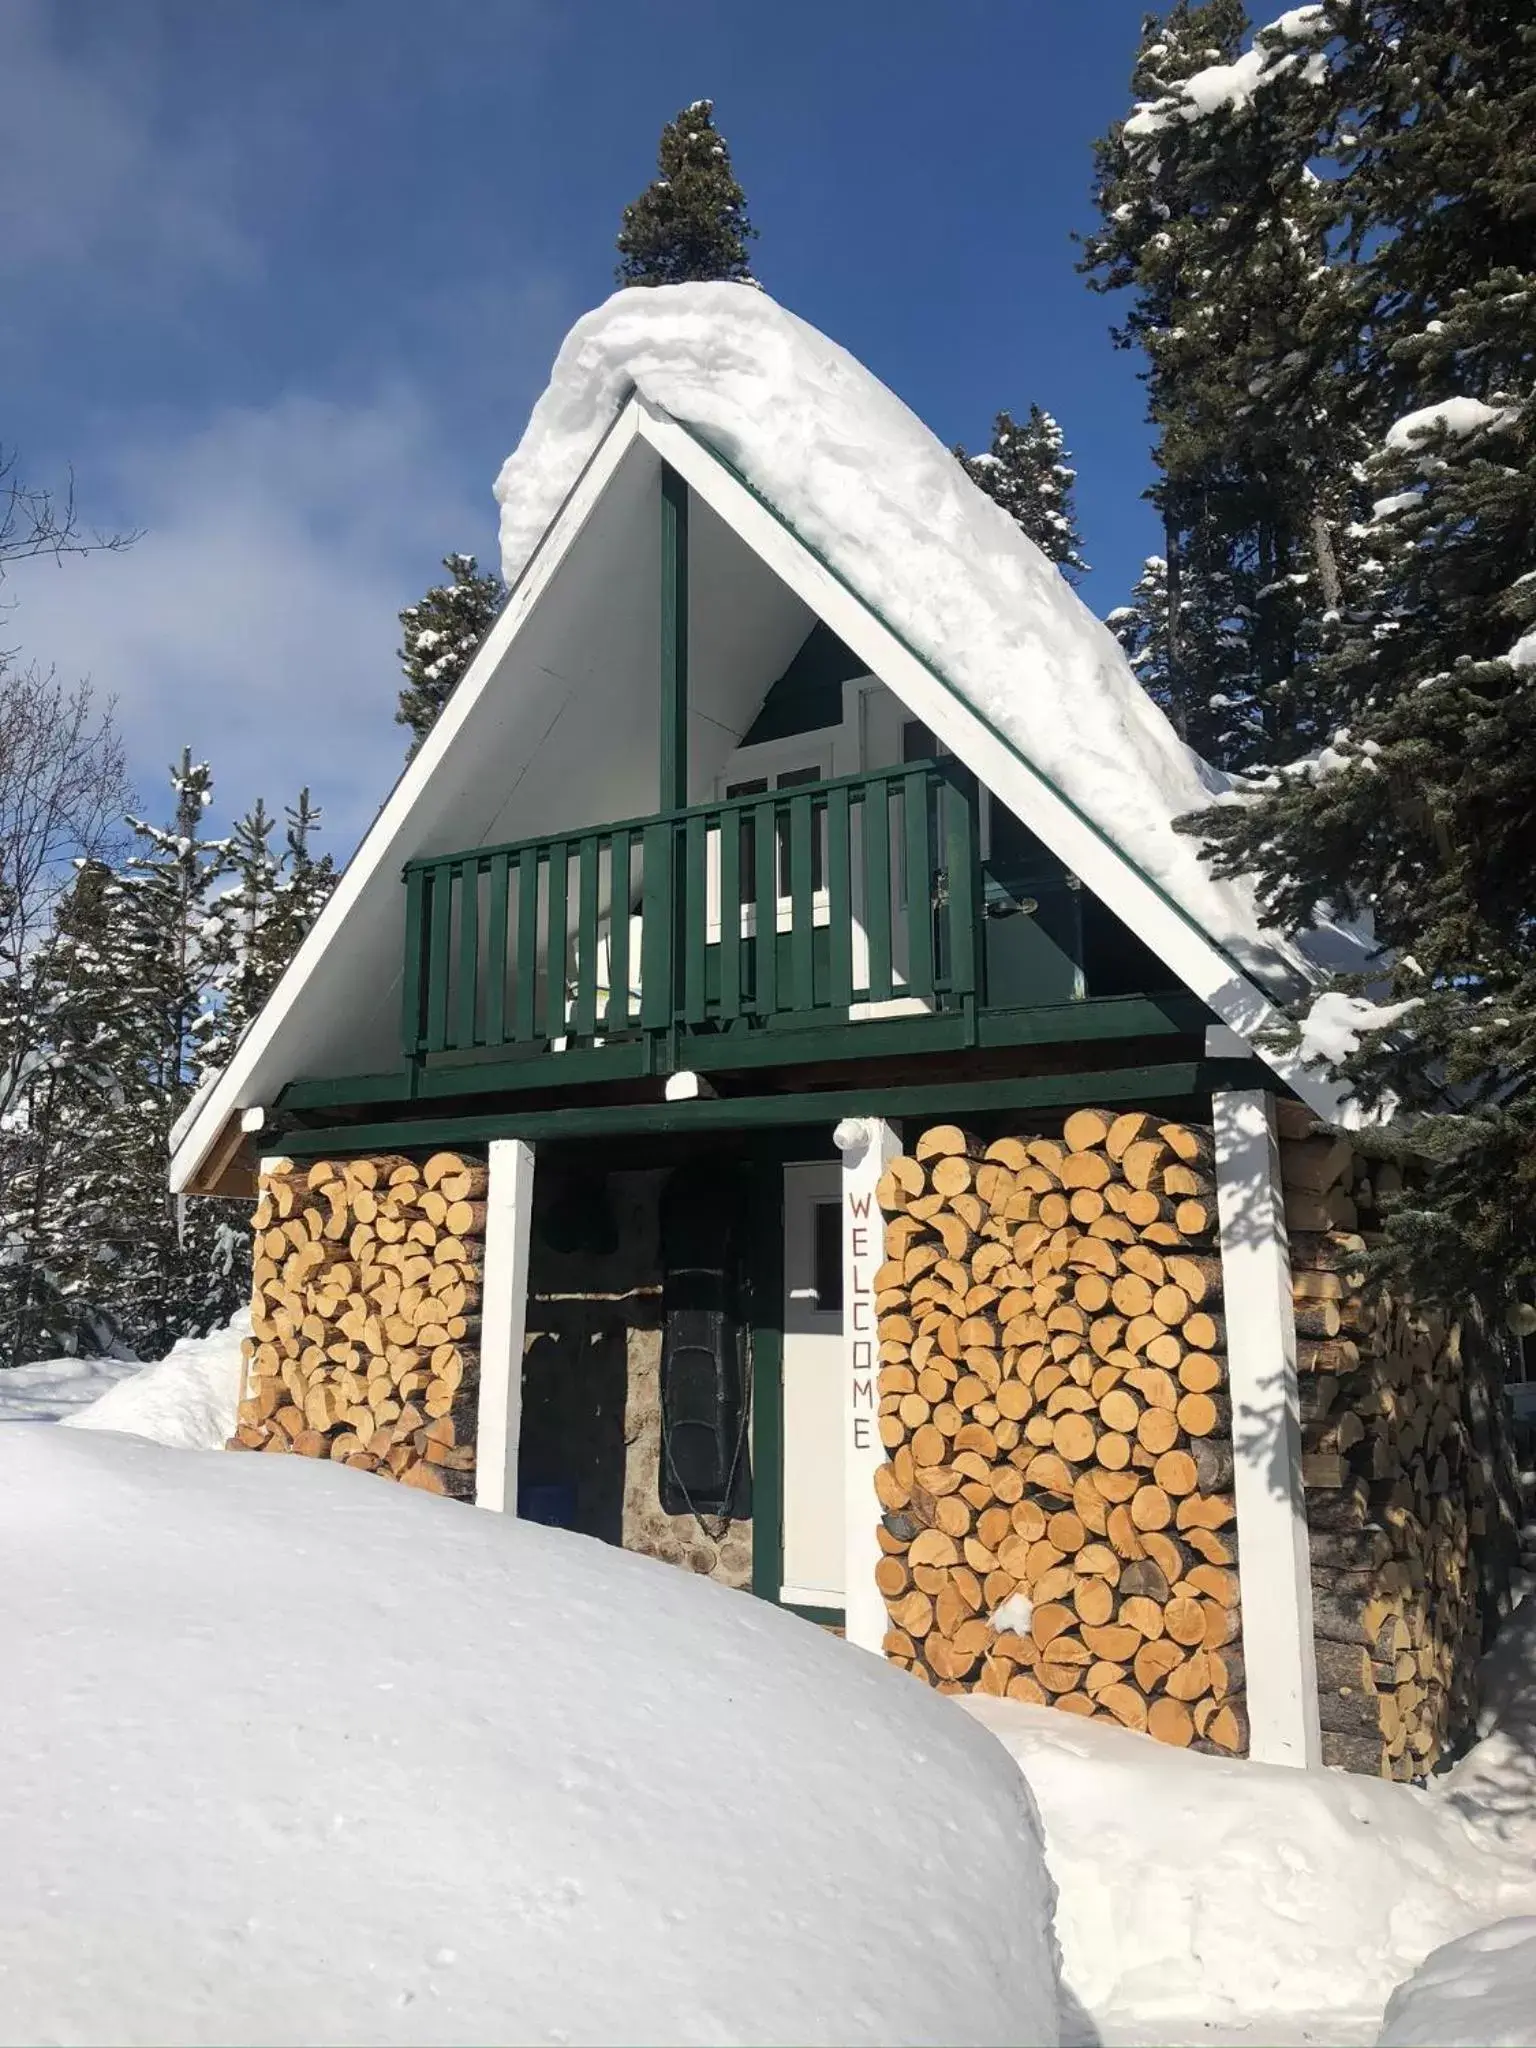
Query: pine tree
pixel 442 634
pixel 690 223
pixel 1214 218
pixel 1423 818
pixel 1026 472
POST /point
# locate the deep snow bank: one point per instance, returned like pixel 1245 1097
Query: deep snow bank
pixel 1213 1890
pixel 292 1757
pixel 1479 1992
pixel 187 1399
pixel 864 482
pixel 52 1388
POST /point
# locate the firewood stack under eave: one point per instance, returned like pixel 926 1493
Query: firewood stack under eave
pixel 1053 1402
pixel 365 1317
pixel 1400 1492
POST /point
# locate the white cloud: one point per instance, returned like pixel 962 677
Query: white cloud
pixel 255 618
pixel 105 174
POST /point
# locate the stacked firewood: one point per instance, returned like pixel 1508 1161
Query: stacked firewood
pixel 365 1317
pixel 1058 1515
pixel 1401 1494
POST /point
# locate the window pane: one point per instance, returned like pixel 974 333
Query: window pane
pixel 917 742
pixel 827 1251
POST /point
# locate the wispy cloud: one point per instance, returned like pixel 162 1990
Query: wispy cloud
pixel 255 619
pixel 106 177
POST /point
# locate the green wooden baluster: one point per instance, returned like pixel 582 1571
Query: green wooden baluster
pixel 437 967
pixel 960 861
pixel 656 927
pixel 766 952
pixel 693 909
pixel 584 1012
pixel 729 829
pixel 839 900
pixel 496 952
pixel 525 1024
pixel 914 805
pixel 469 952
pixel 618 932
pixel 877 892
pixel 416 911
pixel 554 971
pixel 802 907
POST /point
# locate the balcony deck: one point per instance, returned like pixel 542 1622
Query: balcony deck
pixel 831 922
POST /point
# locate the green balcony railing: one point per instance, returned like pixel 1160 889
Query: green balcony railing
pixel 793 904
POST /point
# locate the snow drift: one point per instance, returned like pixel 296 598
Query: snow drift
pixel 187 1399
pixel 1205 1892
pixel 1479 1992
pixel 865 484
pixel 293 1757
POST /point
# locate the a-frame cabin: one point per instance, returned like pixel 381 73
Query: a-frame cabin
pixel 710 896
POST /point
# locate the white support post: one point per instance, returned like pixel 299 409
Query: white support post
pixel 867 1146
pixel 1273 1566
pixel 503 1324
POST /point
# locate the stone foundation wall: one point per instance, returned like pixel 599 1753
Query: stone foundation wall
pixel 365 1317
pixel 591 1425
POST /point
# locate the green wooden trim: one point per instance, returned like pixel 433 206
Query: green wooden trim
pixel 1181 1081
pixel 692 918
pixel 962 870
pixel 556 938
pixel 802 910
pixel 730 918
pixel 469 952
pixel 1091 1022
pixel 439 936
pixel 410 988
pixel 656 901
pixel 824 1617
pixel 766 1282
pixel 839 900
pixel 496 959
pixel 584 1011
pixel 877 888
pixel 674 640
pixel 919 864
pixel 526 1013
pixel 765 948
pixel 714 811
pixel 618 929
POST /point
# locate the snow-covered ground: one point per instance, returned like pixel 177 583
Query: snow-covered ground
pixel 54 1387
pixel 186 1399
pixel 295 1757
pixel 262 1682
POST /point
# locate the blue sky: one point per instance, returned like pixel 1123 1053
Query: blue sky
pixel 284 276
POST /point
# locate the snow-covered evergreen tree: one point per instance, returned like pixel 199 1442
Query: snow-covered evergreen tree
pixel 441 635
pixel 1420 814
pixel 1026 471
pixel 690 223
pixel 1217 222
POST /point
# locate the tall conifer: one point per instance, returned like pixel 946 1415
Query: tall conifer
pixel 1025 470
pixel 689 225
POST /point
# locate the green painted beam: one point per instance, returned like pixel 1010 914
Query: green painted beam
pixel 674 640
pixel 765 1259
pixel 1093 1021
pixel 1180 1081
pixel 581 1066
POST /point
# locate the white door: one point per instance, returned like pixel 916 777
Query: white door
pixel 813 1387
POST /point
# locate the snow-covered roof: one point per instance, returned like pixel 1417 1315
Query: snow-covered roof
pixel 817 495
pixel 861 480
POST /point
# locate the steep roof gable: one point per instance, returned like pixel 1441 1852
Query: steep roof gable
pixel 519 751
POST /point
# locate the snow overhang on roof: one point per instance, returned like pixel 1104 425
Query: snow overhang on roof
pixel 806 467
